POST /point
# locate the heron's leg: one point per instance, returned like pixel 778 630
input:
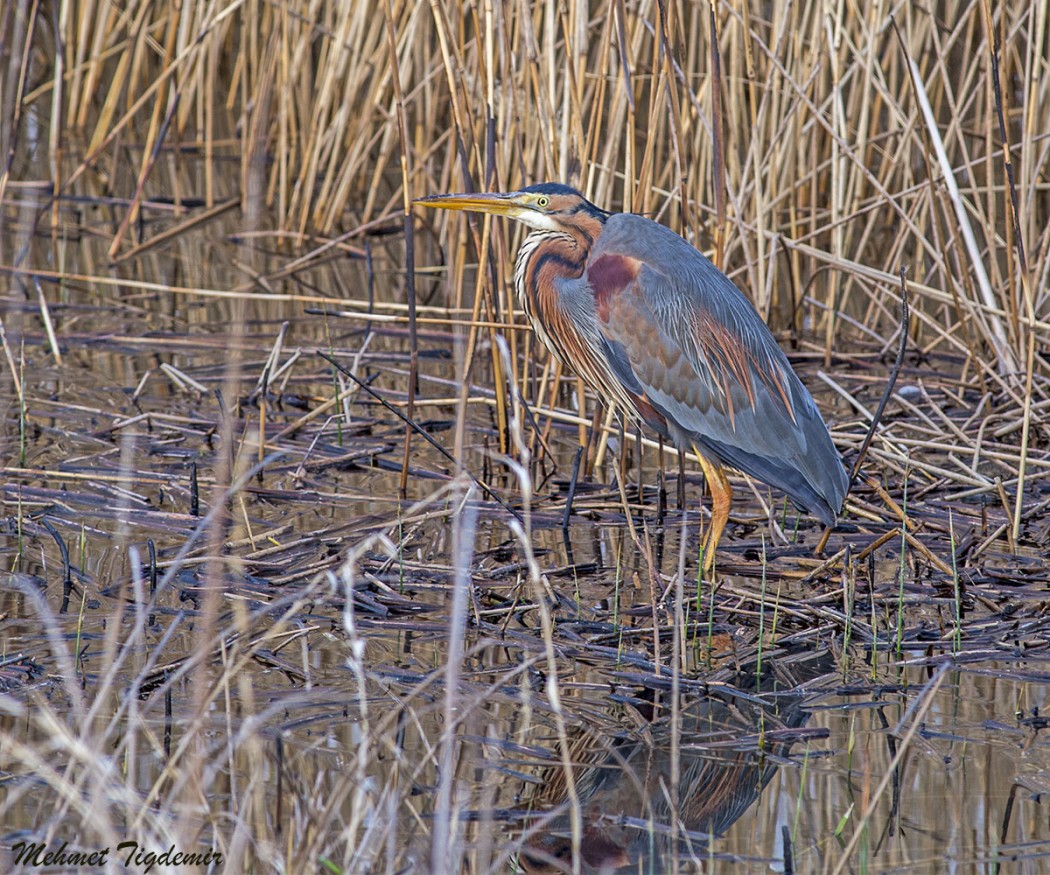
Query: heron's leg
pixel 823 542
pixel 721 497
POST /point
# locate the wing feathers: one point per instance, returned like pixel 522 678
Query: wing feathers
pixel 686 343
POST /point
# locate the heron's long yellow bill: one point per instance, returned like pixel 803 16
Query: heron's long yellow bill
pixel 497 203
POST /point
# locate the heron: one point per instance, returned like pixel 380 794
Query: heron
pixel 659 332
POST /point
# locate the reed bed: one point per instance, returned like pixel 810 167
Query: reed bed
pixel 302 564
pixel 816 152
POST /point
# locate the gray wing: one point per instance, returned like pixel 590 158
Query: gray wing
pixel 692 351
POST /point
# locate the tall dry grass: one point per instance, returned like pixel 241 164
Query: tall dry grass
pixel 816 150
pixel 822 147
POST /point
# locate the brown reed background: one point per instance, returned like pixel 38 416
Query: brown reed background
pixel 818 152
pixel 339 113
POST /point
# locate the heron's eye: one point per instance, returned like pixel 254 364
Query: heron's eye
pixel 543 201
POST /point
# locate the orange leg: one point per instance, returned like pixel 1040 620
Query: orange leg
pixel 823 542
pixel 721 498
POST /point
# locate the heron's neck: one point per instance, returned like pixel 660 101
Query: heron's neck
pixel 544 258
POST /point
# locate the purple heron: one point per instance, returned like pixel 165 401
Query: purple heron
pixel 660 332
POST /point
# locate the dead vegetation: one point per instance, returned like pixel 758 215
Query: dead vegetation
pixel 303 614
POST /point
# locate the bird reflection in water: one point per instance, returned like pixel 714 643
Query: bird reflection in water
pixel 731 743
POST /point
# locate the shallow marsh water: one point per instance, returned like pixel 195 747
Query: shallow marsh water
pixel 858 717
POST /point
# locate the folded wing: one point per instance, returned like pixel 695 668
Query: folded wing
pixel 701 366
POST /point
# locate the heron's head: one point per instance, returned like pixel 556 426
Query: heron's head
pixel 548 206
